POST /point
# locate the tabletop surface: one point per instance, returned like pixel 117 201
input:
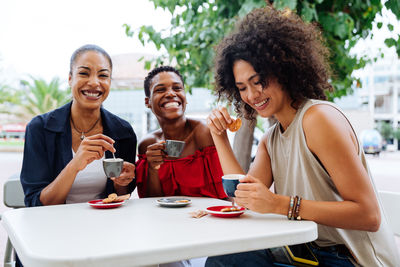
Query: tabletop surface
pixel 140 232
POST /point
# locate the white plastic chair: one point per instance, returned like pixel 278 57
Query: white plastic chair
pixel 391 203
pixel 13 197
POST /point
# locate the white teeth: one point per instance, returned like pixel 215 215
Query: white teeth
pixel 94 95
pixel 91 94
pixel 171 104
pixel 261 103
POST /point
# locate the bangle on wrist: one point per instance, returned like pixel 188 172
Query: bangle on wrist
pixel 297 210
pixel 291 204
pixel 294 208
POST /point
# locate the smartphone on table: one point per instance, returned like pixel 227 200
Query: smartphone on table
pixel 302 254
pixel 294 255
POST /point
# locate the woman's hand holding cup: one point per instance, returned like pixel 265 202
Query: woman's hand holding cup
pixel 155 154
pixel 254 195
pixel 127 174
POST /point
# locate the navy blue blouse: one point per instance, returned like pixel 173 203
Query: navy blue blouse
pixel 48 149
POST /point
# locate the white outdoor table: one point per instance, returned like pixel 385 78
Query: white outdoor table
pixel 142 233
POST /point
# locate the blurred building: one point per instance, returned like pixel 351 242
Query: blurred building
pixel 379 95
pixel 15 130
pixel 381 90
pixel 129 71
pixel 356 111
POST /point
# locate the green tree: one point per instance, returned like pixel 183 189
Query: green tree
pixel 198 25
pixel 8 96
pixel 385 129
pixel 6 92
pixel 396 133
pixel 39 97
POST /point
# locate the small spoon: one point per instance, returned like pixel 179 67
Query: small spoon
pixel 232 199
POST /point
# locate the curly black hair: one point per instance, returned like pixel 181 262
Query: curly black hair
pixel 277 44
pixel 154 72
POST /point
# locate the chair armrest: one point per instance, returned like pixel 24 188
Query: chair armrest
pixel 13 194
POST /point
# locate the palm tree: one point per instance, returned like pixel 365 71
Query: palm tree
pixel 7 94
pixel 8 97
pixel 40 97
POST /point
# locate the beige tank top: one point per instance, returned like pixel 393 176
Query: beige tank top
pixel 291 159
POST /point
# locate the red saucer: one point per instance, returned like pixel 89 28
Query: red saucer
pixel 98 204
pixel 216 211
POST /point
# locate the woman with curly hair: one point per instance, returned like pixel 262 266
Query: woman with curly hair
pixel 276 65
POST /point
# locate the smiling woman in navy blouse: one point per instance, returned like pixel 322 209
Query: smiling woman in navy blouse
pixel 64 148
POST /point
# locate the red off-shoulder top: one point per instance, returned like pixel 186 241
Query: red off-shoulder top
pixel 197 175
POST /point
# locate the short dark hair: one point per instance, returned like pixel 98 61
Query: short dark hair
pixel 277 44
pixel 86 48
pixel 154 72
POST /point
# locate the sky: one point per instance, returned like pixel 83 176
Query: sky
pixel 37 37
pixel 371 46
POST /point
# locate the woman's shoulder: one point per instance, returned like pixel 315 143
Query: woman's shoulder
pixel 149 139
pixel 37 121
pixel 35 129
pixel 322 113
pixel 42 125
pixel 40 121
pixel 198 125
pixel 55 115
pixel 201 133
pixel 326 122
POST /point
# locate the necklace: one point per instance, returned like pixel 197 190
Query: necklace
pixel 83 132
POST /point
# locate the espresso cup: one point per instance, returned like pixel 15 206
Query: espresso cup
pixel 113 167
pixel 230 182
pixel 174 148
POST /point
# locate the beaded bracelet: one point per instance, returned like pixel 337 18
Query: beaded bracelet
pixel 294 208
pixel 291 205
pixel 297 210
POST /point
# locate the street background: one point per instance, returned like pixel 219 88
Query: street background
pixel 385 170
